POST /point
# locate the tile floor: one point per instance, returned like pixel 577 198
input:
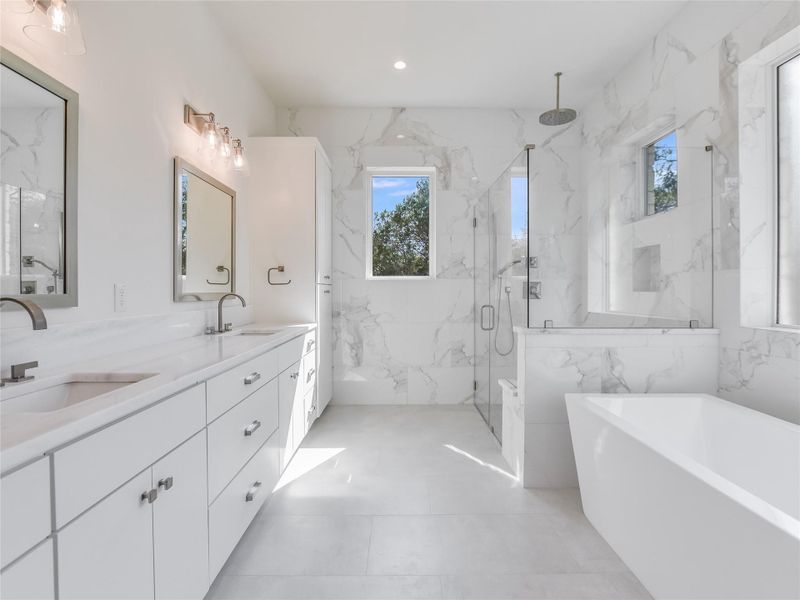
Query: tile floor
pixel 416 502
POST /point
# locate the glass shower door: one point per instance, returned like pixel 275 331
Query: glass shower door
pixel 500 246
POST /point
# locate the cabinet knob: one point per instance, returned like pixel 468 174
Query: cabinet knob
pixel 248 431
pixel 166 483
pixel 150 496
pixel 251 493
pixel 294 375
pixel 252 378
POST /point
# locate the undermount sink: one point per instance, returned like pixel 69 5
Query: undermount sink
pixel 77 389
pixel 259 332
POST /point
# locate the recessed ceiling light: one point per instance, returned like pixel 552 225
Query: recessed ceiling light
pixel 400 65
pixel 400 136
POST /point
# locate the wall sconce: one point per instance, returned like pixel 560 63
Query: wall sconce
pixel 217 139
pixel 54 24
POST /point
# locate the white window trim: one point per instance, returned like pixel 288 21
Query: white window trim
pixel 758 197
pixel 430 173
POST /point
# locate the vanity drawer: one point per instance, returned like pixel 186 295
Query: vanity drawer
pixel 230 387
pixel 235 507
pixel 238 434
pixel 309 372
pixel 31 577
pixel 91 468
pixel 294 349
pixel 24 509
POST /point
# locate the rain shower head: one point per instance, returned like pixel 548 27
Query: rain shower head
pixel 558 116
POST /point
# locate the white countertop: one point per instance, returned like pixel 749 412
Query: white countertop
pixel 615 330
pixel 175 366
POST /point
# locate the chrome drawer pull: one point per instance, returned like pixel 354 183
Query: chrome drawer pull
pixel 150 496
pixel 310 374
pixel 252 427
pixel 310 345
pixel 252 378
pixel 166 483
pixel 251 493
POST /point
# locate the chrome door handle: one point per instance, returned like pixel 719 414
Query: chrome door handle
pixel 252 378
pixel 150 496
pixel 166 483
pixel 248 431
pixel 251 493
pixel 310 375
pixel 483 312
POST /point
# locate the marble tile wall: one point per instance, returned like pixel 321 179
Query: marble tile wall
pixel 690 74
pixel 616 361
pixel 410 341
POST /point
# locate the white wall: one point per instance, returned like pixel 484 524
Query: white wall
pixel 144 60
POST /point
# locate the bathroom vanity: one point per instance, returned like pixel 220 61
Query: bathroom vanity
pixel 136 476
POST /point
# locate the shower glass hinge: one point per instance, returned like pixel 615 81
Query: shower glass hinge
pixel 694 324
pixel 709 148
pixel 548 323
pixel 474 222
pixel 475 385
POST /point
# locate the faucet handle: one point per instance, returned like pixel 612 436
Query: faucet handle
pixel 228 326
pixel 18 371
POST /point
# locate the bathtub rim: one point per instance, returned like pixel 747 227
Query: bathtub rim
pixel 747 499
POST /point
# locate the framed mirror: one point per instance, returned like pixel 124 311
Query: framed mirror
pixel 205 235
pixel 38 185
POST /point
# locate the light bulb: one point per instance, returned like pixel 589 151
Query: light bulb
pixel 57 13
pixel 225 147
pixel 211 136
pixel 238 155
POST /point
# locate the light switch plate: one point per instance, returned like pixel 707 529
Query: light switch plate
pixel 120 297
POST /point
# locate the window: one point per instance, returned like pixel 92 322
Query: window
pixel 401 226
pixel 788 192
pixel 661 174
pixel 519 207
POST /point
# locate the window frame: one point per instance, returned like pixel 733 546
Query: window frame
pixel 645 168
pixel 430 172
pixel 774 196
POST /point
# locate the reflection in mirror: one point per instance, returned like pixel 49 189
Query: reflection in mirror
pixel 38 120
pixel 205 213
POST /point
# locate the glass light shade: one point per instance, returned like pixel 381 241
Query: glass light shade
pixel 225 147
pixel 239 162
pixel 210 134
pixel 59 29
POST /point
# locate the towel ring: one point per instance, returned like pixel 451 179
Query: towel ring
pixel 220 269
pixel 279 269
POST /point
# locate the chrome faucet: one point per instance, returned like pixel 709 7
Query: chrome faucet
pixel 227 326
pixel 39 322
pixel 34 310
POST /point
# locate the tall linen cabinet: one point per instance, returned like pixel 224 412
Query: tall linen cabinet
pixel 289 225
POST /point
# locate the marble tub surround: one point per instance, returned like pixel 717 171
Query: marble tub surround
pixel 398 342
pixel 691 75
pixel 165 369
pixel 552 362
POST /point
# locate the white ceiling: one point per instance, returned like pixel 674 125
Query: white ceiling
pixel 459 54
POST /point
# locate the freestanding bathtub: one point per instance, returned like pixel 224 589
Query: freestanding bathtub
pixel 699 496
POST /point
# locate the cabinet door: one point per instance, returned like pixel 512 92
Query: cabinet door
pixel 290 396
pixel 324 348
pixel 108 551
pixel 31 577
pixel 180 522
pixel 324 220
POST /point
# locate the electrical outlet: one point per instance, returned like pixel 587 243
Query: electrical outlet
pixel 120 297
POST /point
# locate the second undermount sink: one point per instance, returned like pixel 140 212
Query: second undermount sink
pixel 77 389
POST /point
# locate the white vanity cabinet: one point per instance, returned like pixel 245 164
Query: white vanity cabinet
pixel 31 577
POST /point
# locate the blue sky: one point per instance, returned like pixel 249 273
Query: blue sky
pixel 519 207
pixel 388 192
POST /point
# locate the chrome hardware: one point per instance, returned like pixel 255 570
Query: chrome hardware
pixel 483 310
pixel 150 496
pixel 694 324
pixel 310 374
pixel 310 345
pixel 228 327
pixel 220 327
pixel 279 269
pixel 166 483
pixel 210 331
pixel 534 290
pixel 18 372
pixel 533 262
pixel 251 493
pixel 220 269
pixel 248 431
pixel 326 276
pixel 326 291
pixel 548 323
pixel 294 375
pixel 252 378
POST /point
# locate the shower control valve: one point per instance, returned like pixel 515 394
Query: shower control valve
pixel 533 291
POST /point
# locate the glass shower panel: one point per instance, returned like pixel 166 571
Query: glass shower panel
pixel 631 246
pixel 501 218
